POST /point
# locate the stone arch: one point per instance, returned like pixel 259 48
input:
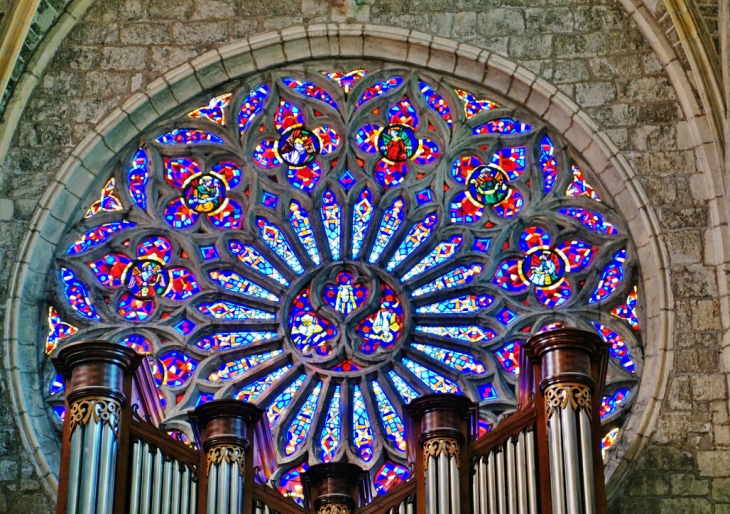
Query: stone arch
pixel 93 156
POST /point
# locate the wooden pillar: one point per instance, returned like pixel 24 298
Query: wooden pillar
pixel 570 370
pixel 98 377
pixel 335 488
pixel 225 430
pixel 443 424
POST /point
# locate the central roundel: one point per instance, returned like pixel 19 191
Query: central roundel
pixel 346 317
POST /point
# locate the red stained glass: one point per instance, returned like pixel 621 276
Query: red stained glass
pixel 306 177
pixel 403 113
pixel 389 475
pixel 265 154
pixel 178 170
pixel 511 160
pixel 229 216
pixel 133 309
pixel 464 209
pixel 110 268
pixel 509 357
pixel 287 116
pixel 178 367
pixel 230 172
pixel 182 285
pixel 178 215
pixel 463 167
pixel 389 174
pixel 155 248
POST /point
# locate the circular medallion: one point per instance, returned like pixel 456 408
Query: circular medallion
pixel 298 146
pixel 397 143
pixel 543 267
pixel 205 192
pixel 146 278
pixel 488 184
pixel 349 316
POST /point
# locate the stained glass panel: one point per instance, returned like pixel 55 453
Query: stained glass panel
pixel 305 221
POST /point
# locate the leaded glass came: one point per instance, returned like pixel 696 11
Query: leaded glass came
pixel 333 244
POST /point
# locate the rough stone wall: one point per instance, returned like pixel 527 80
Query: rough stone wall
pixel 586 48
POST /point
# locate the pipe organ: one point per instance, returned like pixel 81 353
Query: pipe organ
pixel 542 459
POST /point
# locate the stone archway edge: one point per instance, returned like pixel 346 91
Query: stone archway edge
pixel 94 155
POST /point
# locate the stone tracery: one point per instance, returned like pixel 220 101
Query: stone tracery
pixel 315 206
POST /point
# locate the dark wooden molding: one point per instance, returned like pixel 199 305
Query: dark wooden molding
pixel 336 483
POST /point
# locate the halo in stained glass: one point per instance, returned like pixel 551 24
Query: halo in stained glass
pixel 342 257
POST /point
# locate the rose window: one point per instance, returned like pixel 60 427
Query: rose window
pixel 332 245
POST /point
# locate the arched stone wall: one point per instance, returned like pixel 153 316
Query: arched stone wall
pixel 90 159
pixel 690 432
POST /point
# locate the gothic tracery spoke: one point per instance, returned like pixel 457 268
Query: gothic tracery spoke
pixel 333 245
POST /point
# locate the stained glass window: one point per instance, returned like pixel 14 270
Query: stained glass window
pixel 331 245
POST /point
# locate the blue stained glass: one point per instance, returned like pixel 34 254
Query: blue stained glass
pixel 459 361
pixel 392 422
pixel 98 235
pixel 56 385
pixel 455 278
pixel 424 196
pixel 274 239
pixel 468 333
pixel 389 225
pixel 253 259
pixel 362 215
pixel 482 245
pixel 331 434
pixel 407 392
pixel 302 225
pixel 467 304
pixel 232 281
pixel 611 278
pixel 229 311
pixel 252 105
pixel 433 380
pixel 591 219
pixel 419 234
pixel 363 436
pixel 378 89
pixel 204 398
pixel 251 392
pixel 60 412
pixel 347 180
pixel 548 163
pixel 436 102
pixel 502 126
pixel 209 253
pixel 270 200
pixel 487 392
pixel 77 294
pixel 610 403
pixel 184 136
pixel 618 349
pixel 506 316
pixel 137 178
pixel 309 89
pixel 237 367
pixel 299 429
pixel 277 408
pixel 443 252
pixel 331 213
pixel 185 326
pixel 226 340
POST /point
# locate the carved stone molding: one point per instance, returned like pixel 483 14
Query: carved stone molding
pixel 335 508
pixel 103 410
pixel 558 396
pixel 231 454
pixel 435 447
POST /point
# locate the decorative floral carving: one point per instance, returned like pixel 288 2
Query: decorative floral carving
pixel 103 410
pixel 558 396
pixel 335 508
pixel 231 454
pixel 435 447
